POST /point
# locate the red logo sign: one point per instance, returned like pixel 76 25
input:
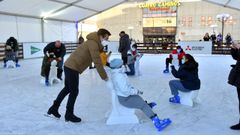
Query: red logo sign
pixel 188 48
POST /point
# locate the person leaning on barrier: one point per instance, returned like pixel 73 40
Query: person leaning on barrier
pixel 58 50
pixel 11 49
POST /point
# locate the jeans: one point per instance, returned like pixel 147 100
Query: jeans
pixel 175 86
pixel 132 69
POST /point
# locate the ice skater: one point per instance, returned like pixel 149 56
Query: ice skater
pixel 179 52
pixel 11 49
pixel 129 97
pixel 76 64
pixel 234 76
pixel 188 75
pixel 58 49
pixel 137 56
pixel 124 47
pixel 105 56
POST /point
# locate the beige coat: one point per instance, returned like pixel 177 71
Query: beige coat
pixel 87 53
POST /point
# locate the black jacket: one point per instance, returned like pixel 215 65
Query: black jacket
pixel 58 52
pixel 188 75
pixel 234 76
pixel 12 42
pixel 124 45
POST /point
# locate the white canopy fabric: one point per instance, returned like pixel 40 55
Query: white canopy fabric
pixel 64 10
pixel 235 4
pixel 74 10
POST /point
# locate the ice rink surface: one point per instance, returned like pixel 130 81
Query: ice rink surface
pixel 24 101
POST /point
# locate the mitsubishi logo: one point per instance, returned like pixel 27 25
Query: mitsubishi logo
pixel 188 48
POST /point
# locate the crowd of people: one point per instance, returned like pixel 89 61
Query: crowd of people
pixel 218 39
pixel 95 50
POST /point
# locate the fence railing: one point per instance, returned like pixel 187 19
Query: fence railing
pixel 70 47
pixel 150 48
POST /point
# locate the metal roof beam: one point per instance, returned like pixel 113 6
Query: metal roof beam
pixel 74 5
pixel 227 3
pixel 221 5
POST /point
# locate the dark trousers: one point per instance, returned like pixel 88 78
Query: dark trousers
pixel 59 70
pixel 46 64
pixel 132 69
pixel 238 91
pixel 169 60
pixel 125 59
pixel 71 88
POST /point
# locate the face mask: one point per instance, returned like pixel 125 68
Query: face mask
pixel 183 60
pixel 104 42
pixel 178 50
pixel 133 49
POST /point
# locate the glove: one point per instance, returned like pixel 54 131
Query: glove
pixel 139 92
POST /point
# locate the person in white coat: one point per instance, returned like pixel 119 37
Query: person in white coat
pixel 128 96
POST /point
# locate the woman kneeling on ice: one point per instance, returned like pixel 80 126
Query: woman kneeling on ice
pixel 129 97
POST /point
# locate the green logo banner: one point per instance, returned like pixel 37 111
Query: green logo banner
pixel 34 50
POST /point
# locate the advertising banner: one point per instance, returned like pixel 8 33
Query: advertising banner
pixel 196 47
pixel 33 50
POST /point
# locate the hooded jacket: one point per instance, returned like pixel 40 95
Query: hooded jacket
pixel 12 42
pixel 188 75
pixel 87 53
pixel 121 83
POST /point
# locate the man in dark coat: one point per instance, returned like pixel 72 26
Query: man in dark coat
pixel 234 76
pixel 11 49
pixel 124 46
pixel 57 51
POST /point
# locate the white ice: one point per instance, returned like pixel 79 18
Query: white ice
pixel 24 101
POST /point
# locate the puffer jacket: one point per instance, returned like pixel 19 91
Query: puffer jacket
pixel 121 83
pixel 188 75
pixel 87 53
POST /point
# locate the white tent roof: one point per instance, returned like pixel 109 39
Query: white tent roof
pixel 74 10
pixel 65 10
pixel 235 4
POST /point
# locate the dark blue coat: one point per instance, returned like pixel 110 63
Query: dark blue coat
pixel 188 75
pixel 58 52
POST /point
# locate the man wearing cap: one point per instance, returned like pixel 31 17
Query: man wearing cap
pixel 124 46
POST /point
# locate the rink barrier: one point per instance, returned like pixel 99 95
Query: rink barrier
pixel 70 47
pixel 148 48
pixel 2 51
